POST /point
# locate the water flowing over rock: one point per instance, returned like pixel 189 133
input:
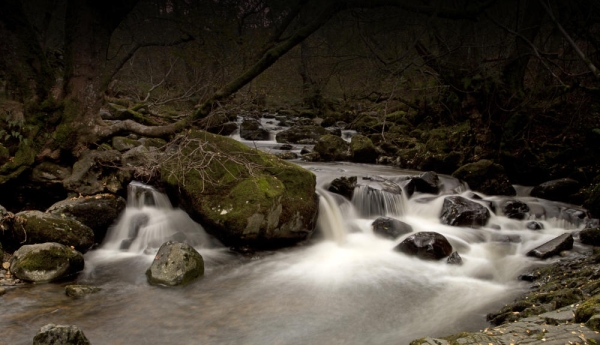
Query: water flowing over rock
pixel 308 134
pixel 175 264
pixel 390 228
pixel 52 334
pixel 553 247
pixel 426 245
pixel 556 190
pixel 515 209
pixel 454 259
pixel 486 177
pixel 78 291
pixel 45 262
pixel 332 148
pixel 31 227
pixel 343 186
pixel 272 205
pixel 459 211
pixel 534 225
pixel 253 130
pixel 97 212
pixel 428 182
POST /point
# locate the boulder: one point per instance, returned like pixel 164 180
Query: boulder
pixel 175 264
pixel 362 149
pixel 390 228
pixel 308 134
pixel 52 334
pixel 343 186
pixel 97 171
pixel 427 182
pixel 32 227
pixel 78 291
pixel 486 177
pixel 45 262
pixel 244 196
pixel 533 225
pixel 98 212
pixel 556 190
pixel 426 245
pixel 552 247
pixel 331 148
pixel 515 209
pixel 590 236
pixel 253 130
pixel 459 211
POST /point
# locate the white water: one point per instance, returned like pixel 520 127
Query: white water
pixel 346 286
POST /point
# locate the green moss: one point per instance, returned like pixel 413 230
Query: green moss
pixel 587 309
pixel 47 260
pixel 66 132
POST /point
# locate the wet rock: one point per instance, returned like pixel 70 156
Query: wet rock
pixel 343 186
pixel 362 149
pixel 78 291
pixel 45 262
pixel 98 212
pixel 253 130
pixel 297 134
pixel 515 209
pixel 556 190
pixel 175 264
pixel 31 227
pixel 486 177
pixel 286 147
pixel 427 182
pixel 426 245
pixel 305 150
pixel 390 228
pixel 331 148
pixel 552 247
pixel 533 225
pixel 590 236
pixel 52 334
pixel 459 211
pixel 454 259
pixel 287 155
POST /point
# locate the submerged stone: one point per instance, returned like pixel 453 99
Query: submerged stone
pixel 77 291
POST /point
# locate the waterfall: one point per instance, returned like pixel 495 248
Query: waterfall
pixel 149 220
pixel 330 222
pixel 371 202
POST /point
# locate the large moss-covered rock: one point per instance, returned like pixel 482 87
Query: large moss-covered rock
pixel 52 334
pixel 97 212
pixel 332 148
pixel 175 264
pixel 557 190
pixel 45 262
pixel 363 150
pixel 32 227
pixel 243 196
pixel 486 177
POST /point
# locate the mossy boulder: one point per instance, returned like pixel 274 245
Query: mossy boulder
pixel 363 150
pixel 52 334
pixel 486 177
pixel 556 190
pixel 587 309
pixel 366 124
pixel 32 227
pixel 97 211
pixel 332 148
pixel 175 264
pixel 243 196
pixel 45 262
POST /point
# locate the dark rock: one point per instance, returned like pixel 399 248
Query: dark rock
pixel 253 130
pixel 287 155
pixel 427 182
pixel 225 129
pixel 296 134
pixel 175 264
pixel 332 148
pixel 529 277
pixel 515 209
pixel 486 177
pixel 343 186
pixel 459 211
pixel 45 262
pixel 335 131
pixel 590 236
pixel 97 171
pixel 390 228
pixel 556 190
pixel 32 227
pixel 286 147
pixel 78 291
pixel 533 225
pixel 305 150
pixel 552 247
pixel 454 259
pixel 98 212
pixel 362 149
pixel 426 245
pixel 52 334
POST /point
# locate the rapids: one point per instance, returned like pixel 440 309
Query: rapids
pixel 344 286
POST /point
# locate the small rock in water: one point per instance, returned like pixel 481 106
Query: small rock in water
pixel 52 334
pixel 553 247
pixel 454 259
pixel 534 226
pixel 78 291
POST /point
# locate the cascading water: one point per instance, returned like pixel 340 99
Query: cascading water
pixel 347 286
